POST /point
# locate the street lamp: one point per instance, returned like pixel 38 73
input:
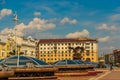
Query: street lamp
pixel 15 19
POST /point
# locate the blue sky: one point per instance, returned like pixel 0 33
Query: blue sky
pixel 64 19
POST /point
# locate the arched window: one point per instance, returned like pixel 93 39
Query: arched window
pixel 87 52
pixel 88 59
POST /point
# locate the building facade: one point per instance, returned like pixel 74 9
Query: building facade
pixel 5 45
pixel 51 50
pixel 116 54
pixel 28 47
pixel 109 58
pixel 2 50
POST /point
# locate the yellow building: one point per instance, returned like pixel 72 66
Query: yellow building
pixel 9 44
pixel 2 50
pixel 51 50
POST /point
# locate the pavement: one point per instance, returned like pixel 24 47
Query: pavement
pixel 106 75
pixel 109 75
pixel 112 75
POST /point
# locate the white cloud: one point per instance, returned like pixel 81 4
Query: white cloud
pixel 46 36
pixel 67 20
pixel 117 9
pixel 107 49
pixel 37 14
pixel 6 31
pixel 84 33
pixel 33 28
pixel 48 9
pixel 92 13
pixel 40 24
pixel 106 27
pixel 5 12
pixel 104 39
pixel 115 17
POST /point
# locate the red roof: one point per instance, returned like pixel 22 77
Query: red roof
pixel 66 40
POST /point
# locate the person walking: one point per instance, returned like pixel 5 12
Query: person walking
pixel 111 66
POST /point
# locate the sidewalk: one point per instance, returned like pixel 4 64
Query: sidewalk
pixel 108 75
pixel 112 75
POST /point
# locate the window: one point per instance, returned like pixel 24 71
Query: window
pixel 40 51
pixel 92 54
pixel 69 54
pixel 92 44
pixel 44 51
pixel 91 47
pixel 65 43
pixel 69 51
pixel 72 43
pixel 69 44
pixel 44 59
pixel 87 52
pixel 88 59
pixel 48 52
pixel 87 47
pixel 65 51
pixel 66 55
pixel 87 43
pixel 58 51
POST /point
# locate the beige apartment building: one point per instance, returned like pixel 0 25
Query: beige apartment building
pixel 51 50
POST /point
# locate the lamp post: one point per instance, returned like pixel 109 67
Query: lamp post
pixel 15 19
